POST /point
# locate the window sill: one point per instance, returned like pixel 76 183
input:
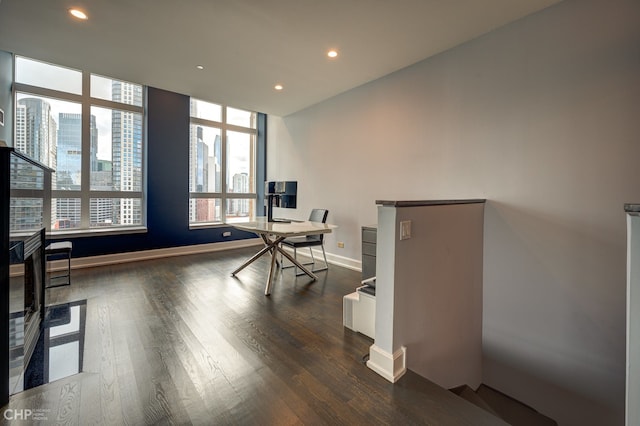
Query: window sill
pixel 194 226
pixel 70 233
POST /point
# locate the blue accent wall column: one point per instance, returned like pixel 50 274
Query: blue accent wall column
pixel 167 167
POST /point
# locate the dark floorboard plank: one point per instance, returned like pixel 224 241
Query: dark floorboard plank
pixel 69 406
pixel 109 390
pixel 90 407
pixel 126 345
pixel 156 388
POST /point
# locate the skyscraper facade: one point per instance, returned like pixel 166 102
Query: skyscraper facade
pixel 69 166
pixel 239 208
pixel 101 209
pixel 69 151
pixel 126 148
pixel 36 130
pixel 35 136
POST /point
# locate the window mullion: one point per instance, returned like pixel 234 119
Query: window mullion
pixel 85 171
pixel 49 93
pixel 252 161
pixel 115 105
pixel 223 168
pixel 240 129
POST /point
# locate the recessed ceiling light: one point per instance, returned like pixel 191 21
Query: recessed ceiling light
pixel 332 53
pixel 200 67
pixel 278 87
pixel 78 14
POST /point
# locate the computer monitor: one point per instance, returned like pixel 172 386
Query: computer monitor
pixel 284 193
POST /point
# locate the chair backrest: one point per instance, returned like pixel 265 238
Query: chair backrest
pixel 318 215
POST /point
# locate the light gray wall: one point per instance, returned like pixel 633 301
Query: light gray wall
pixel 542 118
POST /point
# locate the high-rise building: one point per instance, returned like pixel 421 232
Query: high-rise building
pixel 69 149
pixel 101 209
pixel 102 176
pixel 237 207
pixel 36 131
pixel 202 163
pixel 20 139
pixel 35 136
pixel 126 148
pixel 69 166
pixel 215 166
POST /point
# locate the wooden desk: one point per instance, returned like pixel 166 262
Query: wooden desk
pixel 272 233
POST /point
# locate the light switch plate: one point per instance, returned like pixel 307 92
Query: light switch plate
pixel 405 229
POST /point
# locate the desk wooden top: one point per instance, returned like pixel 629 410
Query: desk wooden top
pixel 285 229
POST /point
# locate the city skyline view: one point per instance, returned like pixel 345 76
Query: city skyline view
pixel 58 144
pixel 98 179
pixel 37 73
pixel 109 162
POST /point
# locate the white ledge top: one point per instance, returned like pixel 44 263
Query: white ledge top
pixel 633 209
pixel 417 203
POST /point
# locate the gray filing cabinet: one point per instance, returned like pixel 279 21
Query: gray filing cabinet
pixel 359 307
pixel 369 236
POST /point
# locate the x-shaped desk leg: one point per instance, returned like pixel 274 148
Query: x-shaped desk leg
pixel 273 247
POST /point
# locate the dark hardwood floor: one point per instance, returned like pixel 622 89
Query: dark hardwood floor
pixel 181 341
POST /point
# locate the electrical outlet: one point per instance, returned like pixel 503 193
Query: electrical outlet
pixel 340 244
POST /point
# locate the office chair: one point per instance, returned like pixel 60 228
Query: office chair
pixel 317 215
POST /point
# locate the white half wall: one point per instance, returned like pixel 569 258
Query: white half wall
pixel 632 416
pixel 541 118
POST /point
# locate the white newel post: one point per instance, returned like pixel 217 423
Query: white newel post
pixel 385 356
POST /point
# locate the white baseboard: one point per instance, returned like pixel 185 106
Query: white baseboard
pixel 390 366
pixel 110 259
pixel 345 262
pixel 333 259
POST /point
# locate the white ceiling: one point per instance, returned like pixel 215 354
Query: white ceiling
pixel 247 46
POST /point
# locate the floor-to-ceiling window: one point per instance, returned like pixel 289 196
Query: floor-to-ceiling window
pixel 90 130
pixel 222 164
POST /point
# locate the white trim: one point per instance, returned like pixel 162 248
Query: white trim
pixel 345 262
pixel 390 366
pixel 333 259
pixel 110 259
pixel 111 230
